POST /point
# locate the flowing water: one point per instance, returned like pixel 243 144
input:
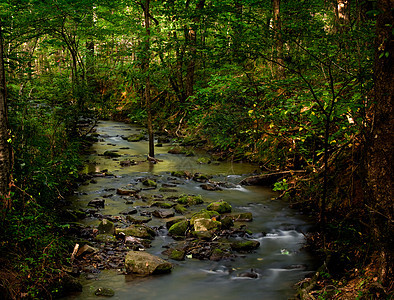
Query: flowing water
pixel 279 261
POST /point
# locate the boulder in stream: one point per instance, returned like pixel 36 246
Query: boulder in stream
pixel 137 230
pixel 104 292
pixel 97 203
pixel 111 154
pixel 138 219
pixel 106 227
pixel 190 200
pixel 220 206
pixel 163 213
pixel 143 263
pixel 203 224
pixel 179 229
pixel 245 245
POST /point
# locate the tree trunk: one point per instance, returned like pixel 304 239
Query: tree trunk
pixel 147 80
pixel 278 44
pixel 191 37
pixel 5 150
pixel 380 145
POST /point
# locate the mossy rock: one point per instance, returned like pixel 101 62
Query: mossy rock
pixel 220 206
pixel 136 137
pixel 217 254
pixel 179 228
pixel 176 254
pixel 111 154
pixel 204 160
pixel 245 246
pixel 227 222
pixel 105 238
pixel 203 224
pixel 181 174
pixel 163 204
pixel 137 230
pixel 104 292
pixel 190 200
pixel 143 263
pixel 149 183
pixel 106 227
pixel 203 214
pixel 177 150
pixel 173 220
pixel 201 177
pixel 203 235
pixel 138 219
pixel 180 209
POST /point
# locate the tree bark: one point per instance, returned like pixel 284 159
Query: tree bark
pixel 278 44
pixel 5 149
pixel 191 37
pixel 147 80
pixel 380 145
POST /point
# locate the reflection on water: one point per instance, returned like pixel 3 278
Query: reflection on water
pixel 279 261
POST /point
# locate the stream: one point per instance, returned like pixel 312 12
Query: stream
pixel 279 262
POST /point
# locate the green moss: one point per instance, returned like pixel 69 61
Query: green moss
pixel 244 246
pixel 163 204
pixel 180 209
pixel 105 238
pixel 220 206
pixel 190 200
pixel 179 228
pixel 111 154
pixel 177 254
pixel 149 182
pixel 205 214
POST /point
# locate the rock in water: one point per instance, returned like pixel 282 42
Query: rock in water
pixel 143 263
pixel 105 292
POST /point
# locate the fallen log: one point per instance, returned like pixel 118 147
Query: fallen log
pixel 269 178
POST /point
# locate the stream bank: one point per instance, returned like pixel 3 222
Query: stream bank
pixel 121 187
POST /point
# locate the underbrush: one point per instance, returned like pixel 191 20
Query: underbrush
pixel 33 245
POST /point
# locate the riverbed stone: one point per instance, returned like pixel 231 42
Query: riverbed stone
pixel 85 250
pixel 130 211
pixel 163 213
pixel 180 209
pixel 105 238
pixel 143 263
pixel 210 187
pixel 106 227
pixel 245 245
pixel 163 204
pixel 190 200
pixel 176 254
pixel 179 229
pixel 203 224
pixel 181 174
pixel 201 177
pixel 127 192
pixel 173 220
pixel 149 183
pixel 104 292
pixel 203 214
pixel 220 206
pixel 97 203
pixel 111 154
pixel 137 230
pixel 138 219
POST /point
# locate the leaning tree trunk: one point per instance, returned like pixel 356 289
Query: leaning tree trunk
pixel 380 146
pixel 5 151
